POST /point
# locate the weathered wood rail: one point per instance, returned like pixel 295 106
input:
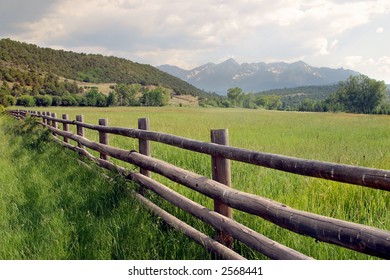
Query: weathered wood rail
pixel 361 238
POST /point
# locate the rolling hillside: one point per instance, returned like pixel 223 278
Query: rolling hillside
pixel 92 68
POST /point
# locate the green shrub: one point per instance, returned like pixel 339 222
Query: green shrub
pixel 7 100
pixel 69 100
pixel 10 100
pixel 43 100
pixel 26 101
pixel 56 101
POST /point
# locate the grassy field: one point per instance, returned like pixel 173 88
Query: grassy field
pixel 53 207
pixel 342 138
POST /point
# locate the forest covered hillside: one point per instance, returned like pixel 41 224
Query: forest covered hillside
pixel 27 60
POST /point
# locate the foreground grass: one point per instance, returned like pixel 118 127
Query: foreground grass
pixel 51 207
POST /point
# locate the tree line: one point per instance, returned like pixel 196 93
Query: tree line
pixel 237 98
pixel 358 94
pixel 33 89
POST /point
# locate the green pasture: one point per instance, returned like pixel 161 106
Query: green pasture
pixel 54 207
pixel 362 140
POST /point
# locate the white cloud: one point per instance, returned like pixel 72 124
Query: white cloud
pixel 220 18
pixel 187 33
pixel 322 46
pixel 352 61
pixel 334 44
pixel 379 30
pixel 377 68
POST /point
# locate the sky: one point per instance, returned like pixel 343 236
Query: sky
pixel 323 33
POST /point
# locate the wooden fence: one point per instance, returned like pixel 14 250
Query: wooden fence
pixel 361 238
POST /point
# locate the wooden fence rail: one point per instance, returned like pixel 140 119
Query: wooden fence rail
pixel 365 239
pixel 362 176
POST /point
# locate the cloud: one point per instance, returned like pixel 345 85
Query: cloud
pixel 379 30
pixel 353 61
pixel 365 65
pixel 203 22
pixel 13 13
pixel 187 33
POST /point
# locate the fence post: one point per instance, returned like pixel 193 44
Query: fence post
pixel 103 137
pixel 144 149
pixel 42 115
pixel 144 145
pixel 54 123
pixel 80 129
pixel 65 126
pixel 48 122
pixel 221 173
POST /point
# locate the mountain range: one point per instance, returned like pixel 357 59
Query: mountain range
pixel 256 77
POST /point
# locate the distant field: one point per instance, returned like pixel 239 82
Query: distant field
pixel 342 138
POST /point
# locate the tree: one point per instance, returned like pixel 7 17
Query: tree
pixel 127 94
pixel 26 101
pixel 307 105
pixel 270 102
pixel 10 100
pixel 155 97
pixel 16 90
pixel 248 101
pixel 234 95
pixel 68 100
pixel 5 89
pixel 359 94
pixel 72 88
pixel 56 101
pixel 7 100
pixel 95 98
pixel 111 99
pixel 43 100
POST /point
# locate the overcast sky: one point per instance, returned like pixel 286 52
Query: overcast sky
pixel 331 33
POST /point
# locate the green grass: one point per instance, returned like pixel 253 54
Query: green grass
pixel 342 138
pixel 53 207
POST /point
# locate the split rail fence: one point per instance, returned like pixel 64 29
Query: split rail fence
pixel 361 238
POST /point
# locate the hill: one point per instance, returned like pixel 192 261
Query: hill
pixel 293 97
pixel 89 68
pixel 255 77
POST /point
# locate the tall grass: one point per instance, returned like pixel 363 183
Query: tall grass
pixel 53 207
pixel 342 138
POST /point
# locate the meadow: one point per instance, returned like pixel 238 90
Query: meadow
pixel 52 207
pixel 341 138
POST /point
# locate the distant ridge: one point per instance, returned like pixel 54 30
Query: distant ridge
pixel 256 77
